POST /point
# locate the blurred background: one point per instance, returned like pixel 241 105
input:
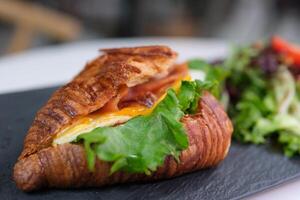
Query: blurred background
pixel 28 24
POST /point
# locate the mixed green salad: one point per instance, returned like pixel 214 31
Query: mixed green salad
pixel 260 89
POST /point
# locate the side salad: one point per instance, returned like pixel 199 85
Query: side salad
pixel 260 88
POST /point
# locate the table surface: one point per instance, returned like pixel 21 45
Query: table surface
pixel 54 65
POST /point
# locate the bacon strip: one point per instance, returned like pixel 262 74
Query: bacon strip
pixel 154 88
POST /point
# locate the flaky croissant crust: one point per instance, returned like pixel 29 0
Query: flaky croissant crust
pixel 93 87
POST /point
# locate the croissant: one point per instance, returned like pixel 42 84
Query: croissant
pixel 118 78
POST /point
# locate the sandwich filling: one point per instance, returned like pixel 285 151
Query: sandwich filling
pixel 137 129
pixel 131 102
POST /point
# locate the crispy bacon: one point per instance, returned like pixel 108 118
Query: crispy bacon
pixel 144 94
pixel 148 92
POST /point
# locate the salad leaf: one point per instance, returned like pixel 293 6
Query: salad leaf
pixel 214 75
pixel 290 142
pixel 263 103
pixel 197 64
pixel 141 144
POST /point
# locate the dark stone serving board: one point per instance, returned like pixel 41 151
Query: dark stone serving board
pixel 248 169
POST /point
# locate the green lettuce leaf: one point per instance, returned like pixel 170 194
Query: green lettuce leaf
pixel 142 144
pixel 214 75
pixel 197 64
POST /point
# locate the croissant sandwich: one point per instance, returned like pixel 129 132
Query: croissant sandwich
pixel 131 114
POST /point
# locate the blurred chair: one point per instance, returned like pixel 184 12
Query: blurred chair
pixel 30 19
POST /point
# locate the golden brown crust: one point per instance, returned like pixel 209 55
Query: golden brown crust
pixel 99 82
pixel 65 166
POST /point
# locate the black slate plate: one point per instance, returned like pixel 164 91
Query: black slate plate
pixel 248 169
